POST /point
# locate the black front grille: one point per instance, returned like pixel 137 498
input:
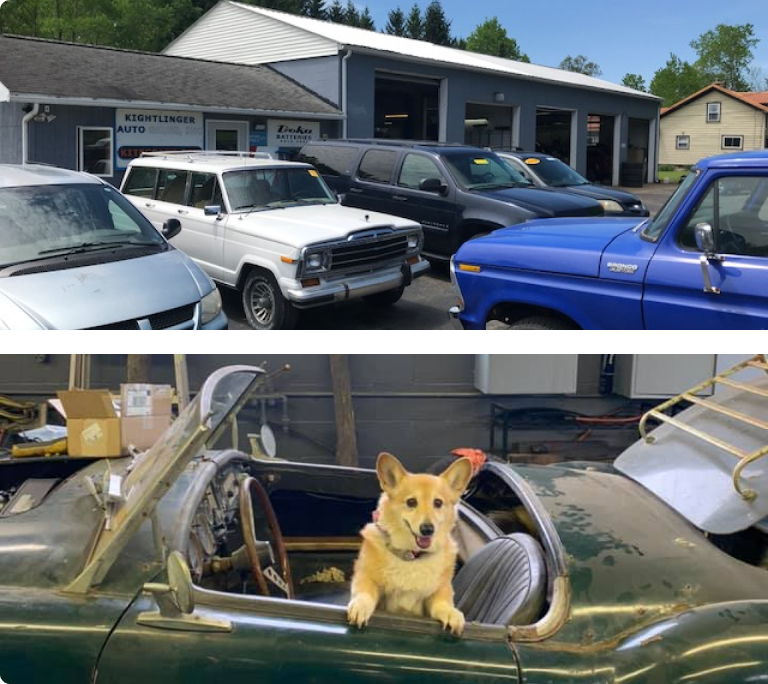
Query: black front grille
pixel 360 254
pixel 157 321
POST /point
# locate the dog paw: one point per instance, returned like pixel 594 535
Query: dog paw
pixel 360 609
pixel 451 618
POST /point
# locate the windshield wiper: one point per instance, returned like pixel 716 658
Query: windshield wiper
pixel 95 247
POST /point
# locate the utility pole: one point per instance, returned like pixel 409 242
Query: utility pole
pixel 346 439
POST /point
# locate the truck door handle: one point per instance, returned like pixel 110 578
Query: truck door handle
pixel 400 198
pixel 357 191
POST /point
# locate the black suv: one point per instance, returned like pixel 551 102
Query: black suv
pixel 455 191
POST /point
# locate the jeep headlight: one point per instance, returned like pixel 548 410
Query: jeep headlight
pixel 317 260
pixel 210 306
pixel 414 242
pixel 611 206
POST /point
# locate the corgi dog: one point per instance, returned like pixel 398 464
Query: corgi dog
pixel 408 556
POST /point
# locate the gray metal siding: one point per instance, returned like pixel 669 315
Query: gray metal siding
pixel 11 114
pixel 321 75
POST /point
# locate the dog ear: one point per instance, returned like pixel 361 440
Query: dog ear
pixel 389 470
pixel 458 474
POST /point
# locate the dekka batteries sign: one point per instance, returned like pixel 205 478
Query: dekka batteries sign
pixel 291 133
pixel 149 130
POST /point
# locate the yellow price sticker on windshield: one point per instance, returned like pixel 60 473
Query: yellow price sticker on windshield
pixel 532 160
pixel 480 161
pixel 314 173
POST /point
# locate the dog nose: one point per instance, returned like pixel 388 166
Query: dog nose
pixel 427 529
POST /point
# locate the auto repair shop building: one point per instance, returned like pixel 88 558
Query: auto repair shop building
pixel 392 87
pixel 94 109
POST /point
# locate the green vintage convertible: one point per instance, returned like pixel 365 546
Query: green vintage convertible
pixel 196 562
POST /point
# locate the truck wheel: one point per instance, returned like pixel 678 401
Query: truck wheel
pixel 542 323
pixel 264 305
pixel 386 298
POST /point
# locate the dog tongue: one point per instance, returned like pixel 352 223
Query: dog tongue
pixel 424 542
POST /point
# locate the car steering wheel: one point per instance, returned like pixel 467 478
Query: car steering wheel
pixel 277 572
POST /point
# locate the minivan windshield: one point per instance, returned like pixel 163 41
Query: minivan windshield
pixel 275 187
pixel 483 171
pixel 42 221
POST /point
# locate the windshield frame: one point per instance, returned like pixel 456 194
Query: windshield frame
pixel 656 227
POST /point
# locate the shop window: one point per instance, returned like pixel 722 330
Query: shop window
pixel 94 147
pixel 733 142
pixel 683 142
pixel 713 112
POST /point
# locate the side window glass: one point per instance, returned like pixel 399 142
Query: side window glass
pixel 203 186
pixel 376 166
pixel 141 182
pixel 737 209
pixel 172 185
pixel 329 160
pixel 415 169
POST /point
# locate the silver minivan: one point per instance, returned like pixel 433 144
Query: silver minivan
pixel 77 255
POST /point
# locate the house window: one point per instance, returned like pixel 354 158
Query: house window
pixel 713 112
pixel 683 142
pixel 94 150
pixel 733 142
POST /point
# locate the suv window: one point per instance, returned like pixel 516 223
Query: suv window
pixel 141 182
pixel 172 186
pixel 475 171
pixel 205 190
pixel 376 166
pixel 417 167
pixel 329 160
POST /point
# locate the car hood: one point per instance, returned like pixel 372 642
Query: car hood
pixel 571 246
pixel 298 226
pixel 155 470
pixel 546 202
pixel 100 294
pixel 602 192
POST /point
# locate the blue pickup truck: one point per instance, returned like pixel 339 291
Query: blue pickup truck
pixel 700 263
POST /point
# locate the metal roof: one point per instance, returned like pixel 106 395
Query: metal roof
pixel 366 40
pixel 49 71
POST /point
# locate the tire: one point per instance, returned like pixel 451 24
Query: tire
pixel 542 323
pixel 264 305
pixel 386 298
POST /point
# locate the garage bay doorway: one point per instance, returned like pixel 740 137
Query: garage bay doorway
pixel 487 125
pixel 554 132
pixel 407 108
pixel 600 148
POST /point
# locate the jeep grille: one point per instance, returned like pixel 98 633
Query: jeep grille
pixel 363 252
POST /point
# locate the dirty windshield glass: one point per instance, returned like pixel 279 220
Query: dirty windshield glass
pixel 263 188
pixel 42 221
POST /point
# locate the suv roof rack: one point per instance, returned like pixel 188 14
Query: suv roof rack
pixel 207 154
pixel 402 143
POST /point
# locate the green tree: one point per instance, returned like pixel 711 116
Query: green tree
pixel 336 12
pixel 316 9
pixel 725 53
pixel 437 29
pixel 395 23
pixel 366 20
pixel 634 81
pixel 491 38
pixel 414 24
pixel 677 79
pixel 351 15
pixel 580 64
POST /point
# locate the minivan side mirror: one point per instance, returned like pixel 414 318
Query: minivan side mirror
pixel 171 228
pixel 433 185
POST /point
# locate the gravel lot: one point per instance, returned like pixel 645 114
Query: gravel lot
pixel 424 305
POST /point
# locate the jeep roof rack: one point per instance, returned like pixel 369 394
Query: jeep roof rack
pixel 193 154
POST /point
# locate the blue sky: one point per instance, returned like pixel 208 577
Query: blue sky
pixel 621 37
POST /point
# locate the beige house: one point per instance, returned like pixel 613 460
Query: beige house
pixel 713 121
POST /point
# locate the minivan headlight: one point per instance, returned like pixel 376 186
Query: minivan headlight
pixel 317 260
pixel 210 306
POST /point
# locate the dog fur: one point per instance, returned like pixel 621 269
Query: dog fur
pixel 401 569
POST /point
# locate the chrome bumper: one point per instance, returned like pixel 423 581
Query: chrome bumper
pixel 354 286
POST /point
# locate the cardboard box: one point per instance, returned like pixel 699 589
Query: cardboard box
pixel 93 427
pixel 145 413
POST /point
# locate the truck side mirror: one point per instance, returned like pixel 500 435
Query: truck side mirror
pixel 432 185
pixel 705 238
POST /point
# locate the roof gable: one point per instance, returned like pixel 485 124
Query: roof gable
pixel 340 37
pixel 755 100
